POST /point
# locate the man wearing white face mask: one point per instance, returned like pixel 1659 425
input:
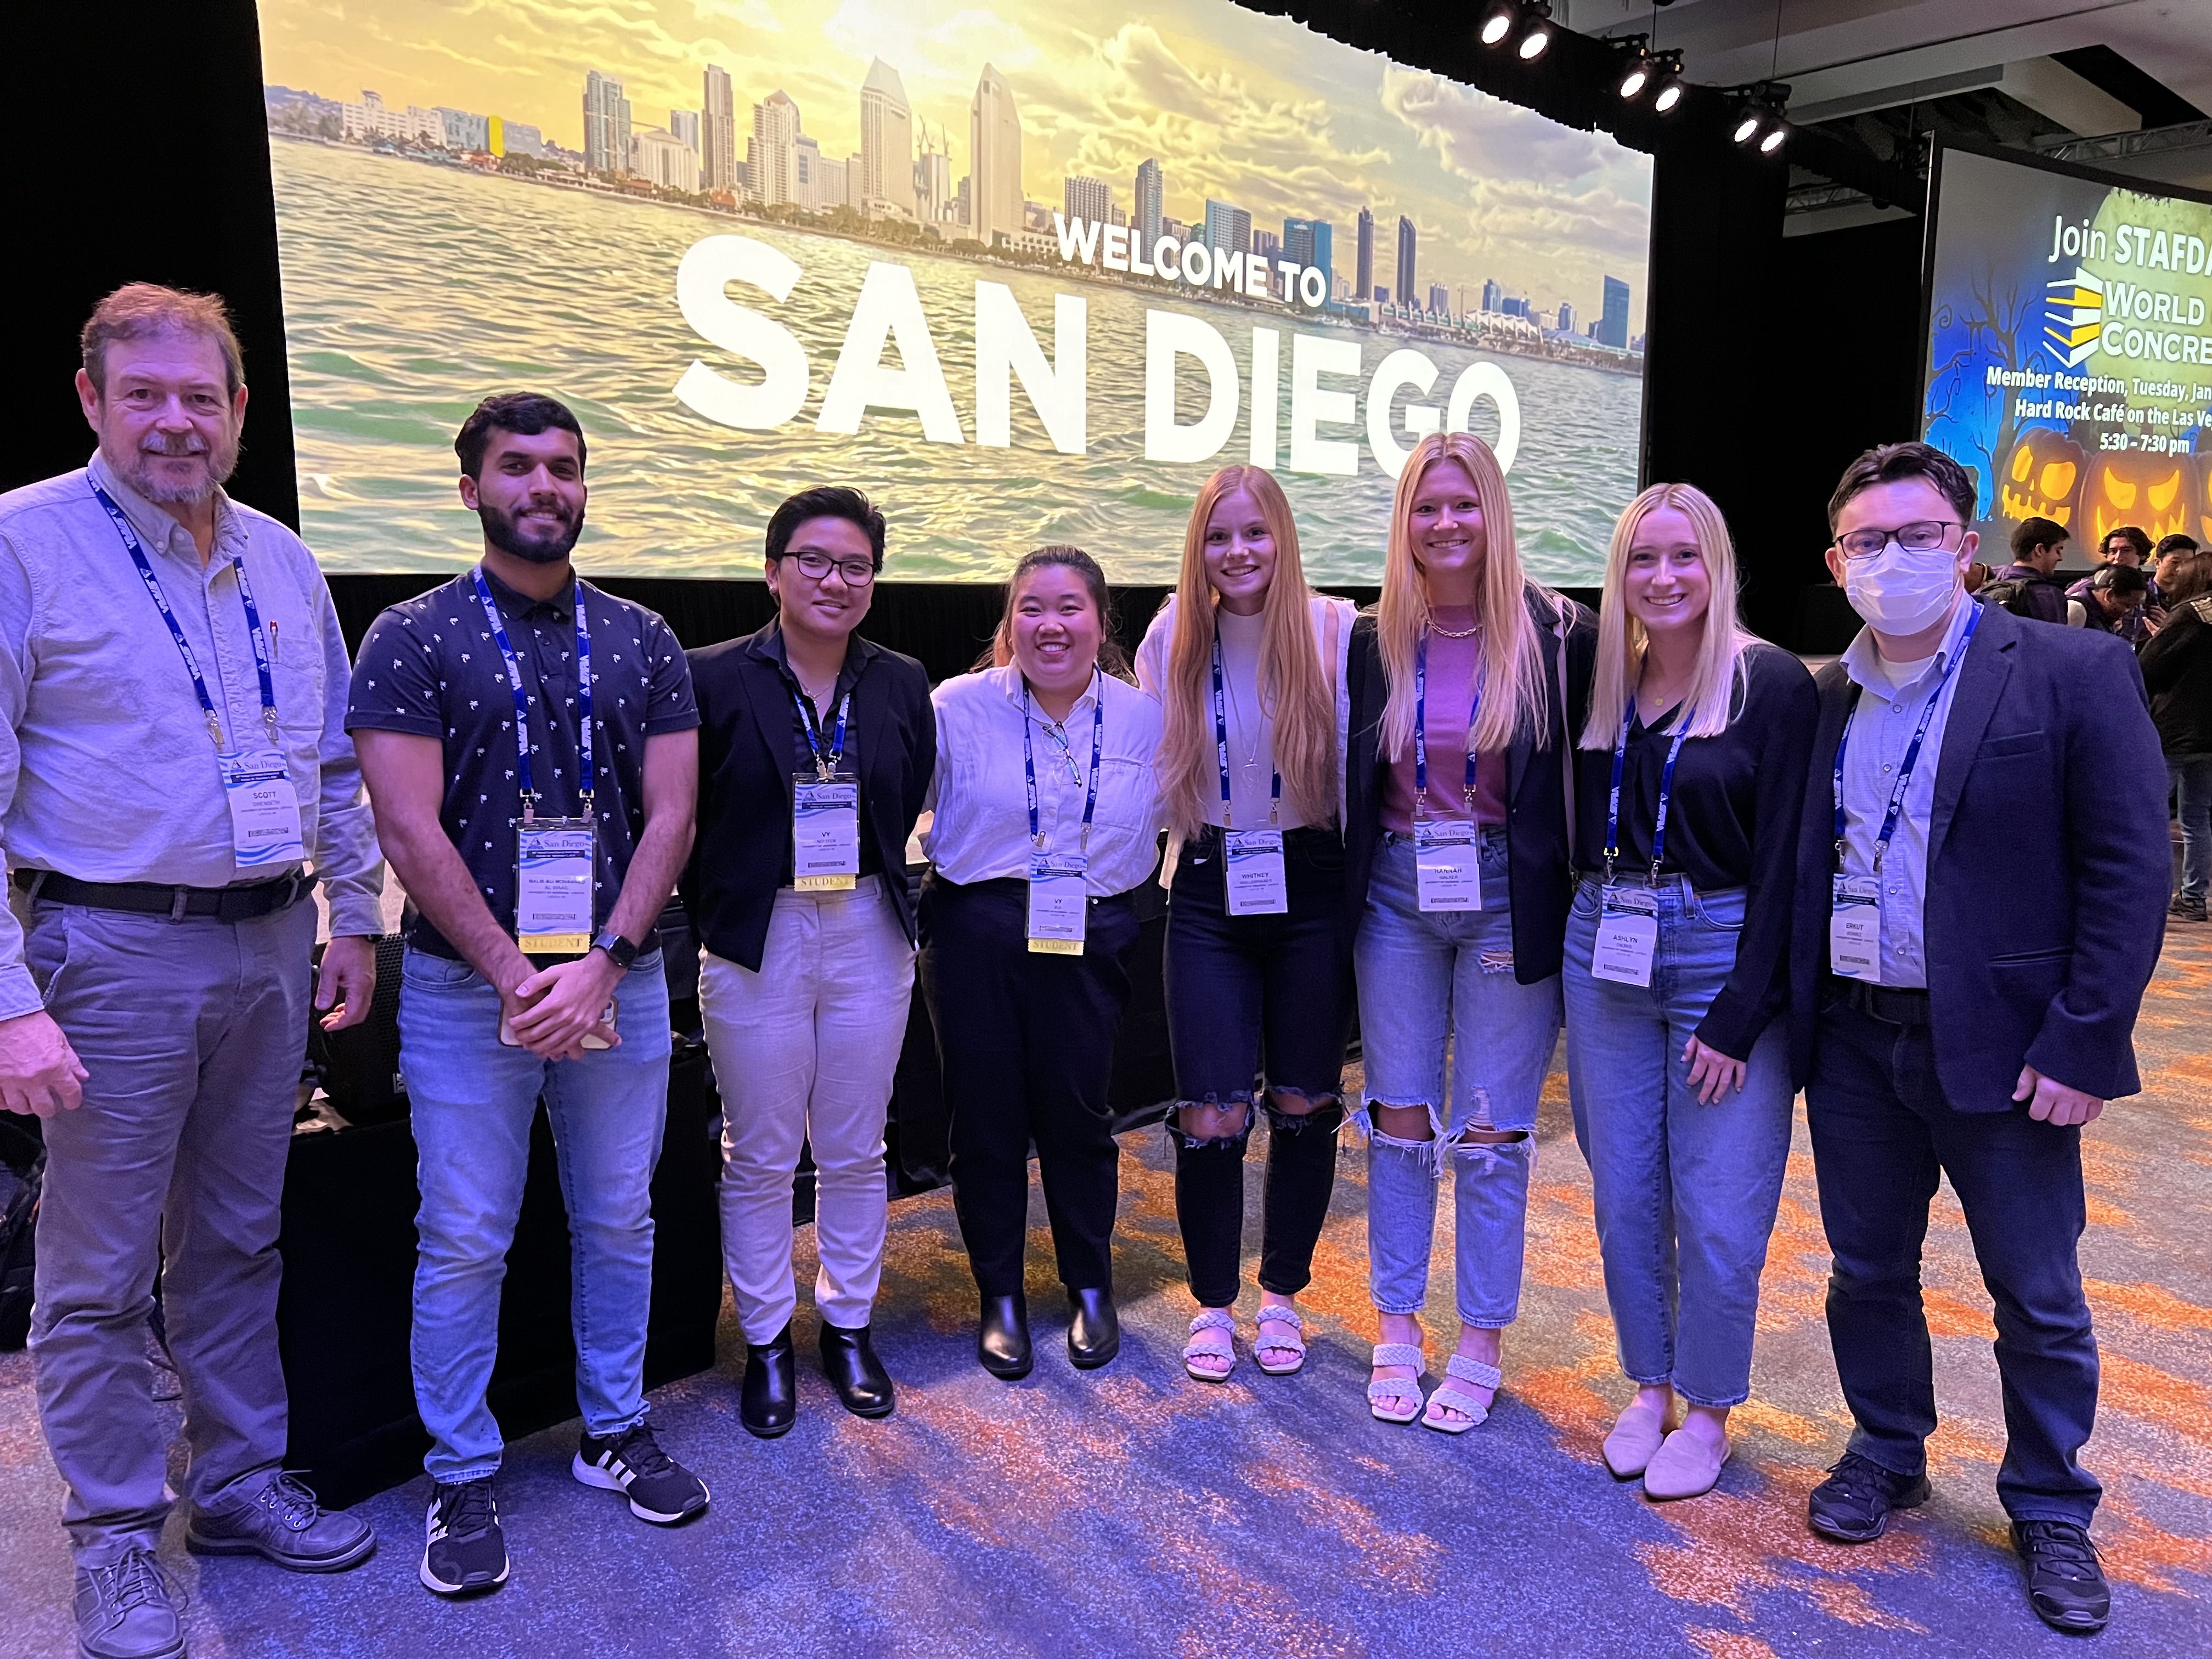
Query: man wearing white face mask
pixel 1940 1034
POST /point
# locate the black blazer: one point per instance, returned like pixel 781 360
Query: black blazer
pixel 2048 866
pixel 1542 877
pixel 746 754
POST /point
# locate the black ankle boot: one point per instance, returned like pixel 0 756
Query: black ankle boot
pixel 849 1361
pixel 1002 1345
pixel 1094 1337
pixel 770 1397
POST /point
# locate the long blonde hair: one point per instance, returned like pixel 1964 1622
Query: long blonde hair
pixel 1290 680
pixel 1514 698
pixel 1715 684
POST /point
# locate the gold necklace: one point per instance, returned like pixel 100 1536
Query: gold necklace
pixel 1442 632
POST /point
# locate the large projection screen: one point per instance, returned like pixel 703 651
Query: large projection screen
pixel 1026 274
pixel 2069 347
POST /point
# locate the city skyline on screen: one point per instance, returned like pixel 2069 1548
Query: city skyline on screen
pixel 1510 212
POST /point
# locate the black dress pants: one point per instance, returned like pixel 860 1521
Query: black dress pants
pixel 1026 1042
pixel 1883 1134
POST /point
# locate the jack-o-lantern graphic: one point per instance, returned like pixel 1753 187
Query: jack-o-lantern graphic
pixel 2150 491
pixel 2039 479
pixel 2201 501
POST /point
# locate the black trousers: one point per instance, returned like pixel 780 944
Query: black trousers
pixel 1882 1135
pixel 1026 1042
pixel 1249 994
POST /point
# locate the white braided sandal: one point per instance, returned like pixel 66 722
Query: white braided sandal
pixel 1276 1313
pixel 1457 1399
pixel 1388 1396
pixel 1212 1337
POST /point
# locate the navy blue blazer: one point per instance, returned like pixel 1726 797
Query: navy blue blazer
pixel 2048 866
pixel 746 754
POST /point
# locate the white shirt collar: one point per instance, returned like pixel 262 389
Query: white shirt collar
pixel 1010 686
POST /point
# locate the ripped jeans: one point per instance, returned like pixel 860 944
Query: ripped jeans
pixel 1248 995
pixel 1435 986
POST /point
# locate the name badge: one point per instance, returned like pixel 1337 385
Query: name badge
pixel 825 833
pixel 1855 928
pixel 1448 863
pixel 264 810
pixel 1253 876
pixel 553 873
pixel 1627 936
pixel 1059 904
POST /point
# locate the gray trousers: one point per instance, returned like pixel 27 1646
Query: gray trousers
pixel 192 1034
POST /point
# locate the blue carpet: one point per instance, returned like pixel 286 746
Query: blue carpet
pixel 1133 1511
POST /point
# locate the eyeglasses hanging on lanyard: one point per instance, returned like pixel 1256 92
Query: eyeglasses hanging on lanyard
pixel 1854 903
pixel 556 858
pixel 1254 879
pixel 1447 852
pixel 1058 888
pixel 265 825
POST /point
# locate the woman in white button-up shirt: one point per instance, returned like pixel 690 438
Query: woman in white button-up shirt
pixel 1026 916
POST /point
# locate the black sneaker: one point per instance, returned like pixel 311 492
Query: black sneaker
pixel 2065 1580
pixel 463 1548
pixel 660 1490
pixel 128 1609
pixel 2185 909
pixel 1852 1505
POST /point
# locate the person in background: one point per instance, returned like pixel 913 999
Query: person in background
pixel 1247 662
pixel 172 752
pixel 2176 670
pixel 1047 819
pixel 1466 685
pixel 815 753
pixel 531 747
pixel 2111 602
pixel 1690 782
pixel 2125 545
pixel 2026 587
pixel 1942 1036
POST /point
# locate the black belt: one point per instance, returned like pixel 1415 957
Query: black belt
pixel 1890 1004
pixel 245 903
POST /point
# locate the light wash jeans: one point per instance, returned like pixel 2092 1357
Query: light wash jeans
pixel 2191 778
pixel 472 1099
pixel 1685 1193
pixel 805 1052
pixel 1433 985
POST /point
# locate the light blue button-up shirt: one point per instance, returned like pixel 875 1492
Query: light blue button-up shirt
pixel 1892 697
pixel 106 769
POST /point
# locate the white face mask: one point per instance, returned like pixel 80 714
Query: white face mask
pixel 1898 591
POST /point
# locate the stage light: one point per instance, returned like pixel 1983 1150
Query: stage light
pixel 1638 75
pixel 1668 66
pixel 1532 43
pixel 1749 119
pixel 1772 141
pixel 1500 22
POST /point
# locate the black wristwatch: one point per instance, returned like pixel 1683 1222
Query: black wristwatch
pixel 619 949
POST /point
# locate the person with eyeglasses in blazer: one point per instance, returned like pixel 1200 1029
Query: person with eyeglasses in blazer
pixel 816 749
pixel 1940 1034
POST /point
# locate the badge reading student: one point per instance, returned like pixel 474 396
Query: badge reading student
pixel 1059 887
pixel 825 809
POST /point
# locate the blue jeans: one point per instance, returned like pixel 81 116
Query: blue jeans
pixel 2192 776
pixel 1685 1193
pixel 1433 986
pixel 472 1099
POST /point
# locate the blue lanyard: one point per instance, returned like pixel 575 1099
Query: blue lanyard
pixel 1912 753
pixel 253 628
pixel 1098 748
pixel 1666 790
pixel 1221 748
pixel 1421 729
pixel 825 764
pixel 584 786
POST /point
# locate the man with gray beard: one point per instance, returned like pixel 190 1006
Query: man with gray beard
pixel 174 763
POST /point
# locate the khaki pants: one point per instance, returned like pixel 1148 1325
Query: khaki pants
pixel 804 1051
pixel 192 1034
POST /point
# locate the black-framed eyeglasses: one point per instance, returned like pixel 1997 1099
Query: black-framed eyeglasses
pixel 816 567
pixel 1920 536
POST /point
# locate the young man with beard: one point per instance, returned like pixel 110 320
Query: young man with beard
pixel 172 689
pixel 531 750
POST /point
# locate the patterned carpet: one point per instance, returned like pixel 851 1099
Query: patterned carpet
pixel 1133 1511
